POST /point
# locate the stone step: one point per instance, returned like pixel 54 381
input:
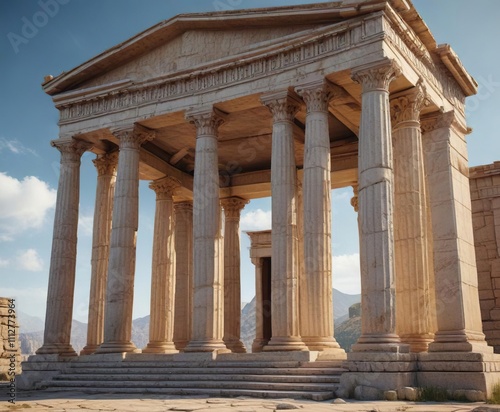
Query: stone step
pixel 122 369
pixel 146 385
pixel 167 364
pixel 269 394
pixel 147 376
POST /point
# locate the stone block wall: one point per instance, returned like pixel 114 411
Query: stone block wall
pixel 485 195
pixel 6 350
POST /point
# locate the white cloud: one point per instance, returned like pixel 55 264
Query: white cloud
pixel 30 260
pixel 256 220
pixel 23 204
pixel 4 263
pixel 346 273
pixel 15 146
pixel 86 224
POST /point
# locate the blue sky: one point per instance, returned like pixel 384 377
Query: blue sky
pixel 58 35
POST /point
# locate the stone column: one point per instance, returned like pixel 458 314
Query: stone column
pixel 457 300
pixel 208 300
pixel 316 304
pixel 121 269
pixel 376 210
pixel 106 178
pixel 285 295
pixel 183 274
pixel 59 312
pixel 232 289
pixel 259 342
pixel 161 325
pixel 410 222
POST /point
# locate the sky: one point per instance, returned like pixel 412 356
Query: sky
pixel 42 37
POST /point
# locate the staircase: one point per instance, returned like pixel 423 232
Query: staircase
pixel 220 378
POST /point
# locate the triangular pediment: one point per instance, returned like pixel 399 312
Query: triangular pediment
pixel 187 43
pixel 199 49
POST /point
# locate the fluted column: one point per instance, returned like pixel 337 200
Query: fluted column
pixel 316 304
pixel 161 325
pixel 59 312
pixel 103 211
pixel 183 274
pixel 457 301
pixel 376 210
pixel 121 268
pixel 410 222
pixel 284 290
pixel 208 300
pixel 259 342
pixel 232 289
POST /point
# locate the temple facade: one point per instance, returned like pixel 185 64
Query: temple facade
pixel 216 109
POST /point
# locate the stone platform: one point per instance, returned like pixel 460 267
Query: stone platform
pixel 71 401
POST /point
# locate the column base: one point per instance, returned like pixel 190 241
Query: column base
pixel 160 347
pixel 388 342
pixel 235 346
pixel 117 347
pixel 258 345
pixel 206 346
pixel 460 341
pixel 418 342
pixel 89 350
pixel 180 345
pixel 61 349
pixel 317 343
pixel 278 344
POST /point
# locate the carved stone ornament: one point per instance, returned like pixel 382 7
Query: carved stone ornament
pixel 233 207
pixel 71 149
pixel 134 138
pixel 318 95
pixel 436 121
pixel 106 163
pixel 282 105
pixel 406 107
pixel 207 122
pixel 165 187
pixel 376 76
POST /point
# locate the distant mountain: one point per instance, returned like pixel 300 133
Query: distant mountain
pixel 28 323
pixel 348 332
pixel 341 304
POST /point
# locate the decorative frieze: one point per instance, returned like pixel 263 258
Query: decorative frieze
pixel 334 41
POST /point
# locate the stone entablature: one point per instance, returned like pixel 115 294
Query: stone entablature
pixel 485 194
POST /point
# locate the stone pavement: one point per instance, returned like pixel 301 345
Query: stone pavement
pixel 77 401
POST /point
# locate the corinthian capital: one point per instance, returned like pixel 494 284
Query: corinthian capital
pixel 165 188
pixel 206 120
pixel 406 106
pixel 376 76
pixel 317 95
pixel 284 105
pixel 134 137
pixel 106 163
pixel 71 149
pixel 233 207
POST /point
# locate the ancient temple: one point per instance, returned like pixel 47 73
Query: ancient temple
pixel 216 109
